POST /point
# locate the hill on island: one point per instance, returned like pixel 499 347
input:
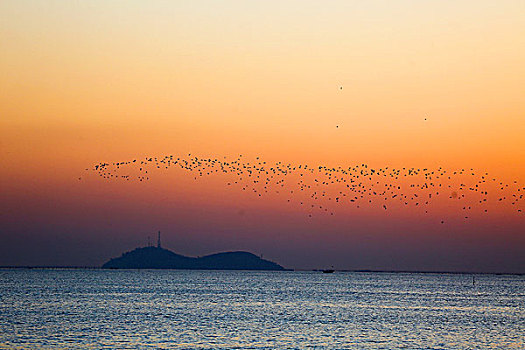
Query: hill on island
pixel 160 258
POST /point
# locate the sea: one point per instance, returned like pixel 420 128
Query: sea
pixel 178 309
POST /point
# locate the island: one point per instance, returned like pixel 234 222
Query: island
pixel 160 258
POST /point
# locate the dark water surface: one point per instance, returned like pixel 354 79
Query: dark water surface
pixel 93 309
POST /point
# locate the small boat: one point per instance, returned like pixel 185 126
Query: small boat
pixel 329 271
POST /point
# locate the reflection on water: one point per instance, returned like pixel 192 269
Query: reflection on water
pixel 243 309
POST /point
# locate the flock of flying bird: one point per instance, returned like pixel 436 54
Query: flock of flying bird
pixel 321 189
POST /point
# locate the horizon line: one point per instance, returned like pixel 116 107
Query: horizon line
pixel 50 267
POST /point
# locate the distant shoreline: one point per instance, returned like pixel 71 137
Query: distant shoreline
pixel 285 270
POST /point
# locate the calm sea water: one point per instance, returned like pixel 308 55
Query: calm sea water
pixel 94 309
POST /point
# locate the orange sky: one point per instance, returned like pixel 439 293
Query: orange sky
pixel 98 81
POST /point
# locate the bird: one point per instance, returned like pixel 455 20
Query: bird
pixel 329 186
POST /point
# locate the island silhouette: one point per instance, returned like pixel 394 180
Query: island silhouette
pixel 159 258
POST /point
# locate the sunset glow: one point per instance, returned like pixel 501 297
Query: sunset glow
pixel 393 85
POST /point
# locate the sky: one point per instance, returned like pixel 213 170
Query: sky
pixel 423 84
